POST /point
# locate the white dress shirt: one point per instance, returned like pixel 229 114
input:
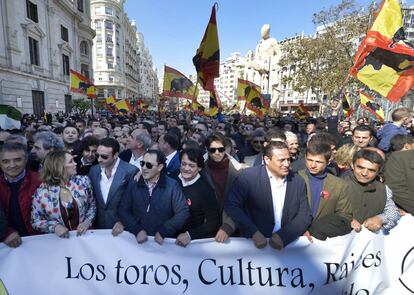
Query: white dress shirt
pixel 136 161
pixel 278 187
pixel 106 182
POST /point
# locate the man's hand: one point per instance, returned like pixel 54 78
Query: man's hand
pixel 259 240
pixel 221 236
pixel 183 239
pixel 308 235
pixel 158 238
pixel 374 223
pixel 83 227
pixel 276 242
pixel 117 229
pixel 13 240
pixel 61 231
pixel 142 237
pixel 356 226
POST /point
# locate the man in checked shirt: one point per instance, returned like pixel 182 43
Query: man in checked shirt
pixel 372 203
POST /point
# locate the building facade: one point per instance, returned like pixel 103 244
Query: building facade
pixel 40 42
pixel 148 88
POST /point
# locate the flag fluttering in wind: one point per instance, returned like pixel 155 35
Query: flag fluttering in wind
pixel 10 117
pixel 214 104
pixel 385 59
pixel 81 84
pixel 302 112
pixel 198 108
pixel 124 105
pixel 177 84
pixel 251 92
pixel 368 103
pixel 110 100
pixel 207 58
pixel 346 106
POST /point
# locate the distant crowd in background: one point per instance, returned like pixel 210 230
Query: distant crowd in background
pixel 188 176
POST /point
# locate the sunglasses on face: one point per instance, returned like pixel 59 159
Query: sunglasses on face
pixel 199 130
pixel 213 150
pixel 259 141
pixel 148 165
pixel 105 157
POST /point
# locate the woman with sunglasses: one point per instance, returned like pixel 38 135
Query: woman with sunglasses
pixel 64 201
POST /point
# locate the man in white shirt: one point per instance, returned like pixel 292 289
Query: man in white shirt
pixel 269 201
pixel 109 180
pixel 137 145
pixel 169 145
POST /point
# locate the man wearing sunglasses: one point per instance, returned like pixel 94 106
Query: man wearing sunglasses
pixel 109 181
pixel 155 205
pixel 254 147
pixel 220 170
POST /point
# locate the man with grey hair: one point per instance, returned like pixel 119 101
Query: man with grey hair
pixel 137 145
pixel 17 138
pixel 44 142
pixel 293 145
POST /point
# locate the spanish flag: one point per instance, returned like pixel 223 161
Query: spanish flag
pixel 251 92
pixel 177 85
pixel 346 106
pixel 124 105
pixel 81 84
pixel 110 100
pixel 214 104
pixel 207 58
pixel 384 61
pixel 301 112
pixel 197 107
pixel 371 106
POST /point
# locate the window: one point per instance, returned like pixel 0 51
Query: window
pixel 108 10
pixel 110 65
pixel 99 38
pixel 109 38
pixel 108 25
pixel 85 70
pixel 84 49
pixel 65 63
pixel 34 51
pixel 80 5
pixel 31 11
pixel 108 51
pixel 64 34
pixel 98 24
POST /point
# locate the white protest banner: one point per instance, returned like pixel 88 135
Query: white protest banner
pixel 97 263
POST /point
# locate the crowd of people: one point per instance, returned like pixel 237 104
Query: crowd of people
pixel 186 176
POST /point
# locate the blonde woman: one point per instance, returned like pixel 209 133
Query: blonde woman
pixel 343 158
pixel 64 200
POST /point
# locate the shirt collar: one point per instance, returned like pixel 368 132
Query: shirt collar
pixel 18 177
pixel 113 168
pixel 188 183
pixel 270 175
pixel 170 156
pixel 152 183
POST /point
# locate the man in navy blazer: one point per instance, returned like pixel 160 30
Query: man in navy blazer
pixel 269 201
pixel 109 181
pixel 169 145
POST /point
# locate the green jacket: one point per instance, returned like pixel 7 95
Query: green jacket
pixel 399 176
pixel 338 201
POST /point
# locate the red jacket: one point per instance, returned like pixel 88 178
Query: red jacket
pixel 30 183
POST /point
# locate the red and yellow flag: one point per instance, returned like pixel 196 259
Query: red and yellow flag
pixel 385 60
pixel 302 112
pixel 81 84
pixel 207 58
pixel 177 84
pixel 110 100
pixel 346 106
pixel 197 107
pixel 251 92
pixel 124 105
pixel 214 104
pixel 371 106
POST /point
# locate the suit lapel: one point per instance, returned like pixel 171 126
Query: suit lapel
pixel 97 178
pixel 266 190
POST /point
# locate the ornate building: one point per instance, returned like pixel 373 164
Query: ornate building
pixel 40 42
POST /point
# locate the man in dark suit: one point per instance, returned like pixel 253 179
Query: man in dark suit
pixel 109 181
pixel 269 201
pixel 169 145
